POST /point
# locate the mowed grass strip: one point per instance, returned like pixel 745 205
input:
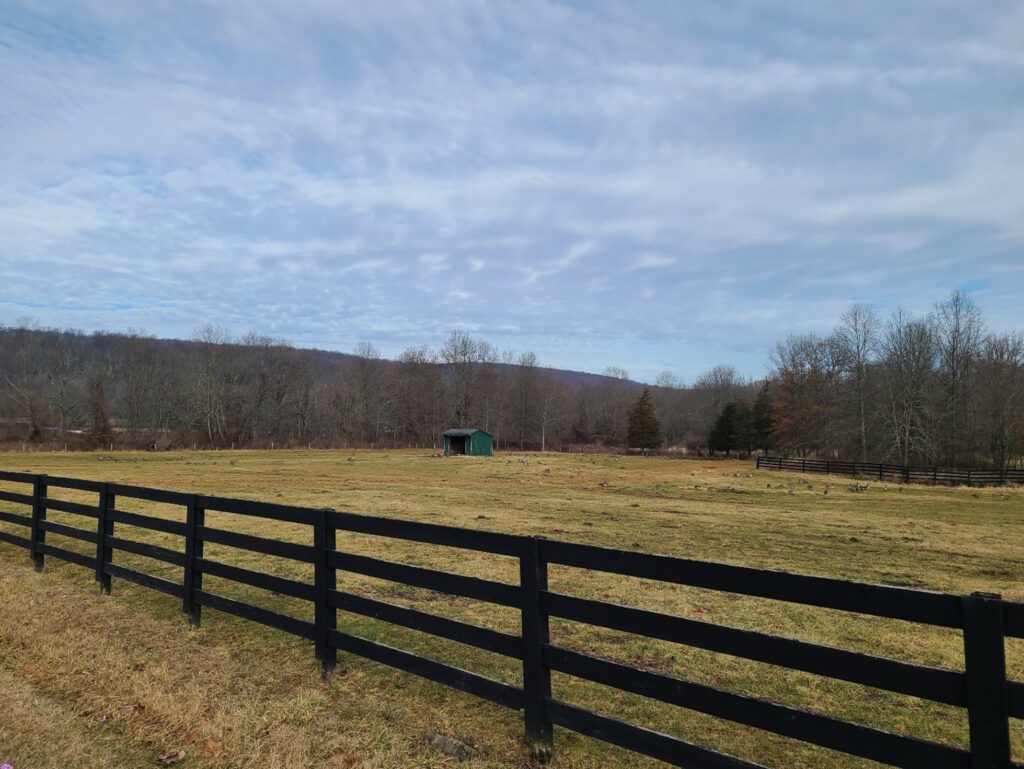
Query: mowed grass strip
pixel 225 680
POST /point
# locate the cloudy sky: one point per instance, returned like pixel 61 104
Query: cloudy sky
pixel 658 185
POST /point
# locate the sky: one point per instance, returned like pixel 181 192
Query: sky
pixel 648 185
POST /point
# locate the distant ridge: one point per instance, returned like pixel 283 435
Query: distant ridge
pixel 322 358
pixel 572 378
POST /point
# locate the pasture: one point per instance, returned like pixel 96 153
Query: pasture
pixel 99 681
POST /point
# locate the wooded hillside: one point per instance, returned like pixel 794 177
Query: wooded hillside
pixel 933 390
pixel 66 387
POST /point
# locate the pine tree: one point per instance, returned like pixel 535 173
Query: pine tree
pixel 732 429
pixel 644 430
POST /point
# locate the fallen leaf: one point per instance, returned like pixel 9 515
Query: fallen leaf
pixel 171 757
pixel 212 748
pixel 192 737
pixel 30 668
pixel 139 666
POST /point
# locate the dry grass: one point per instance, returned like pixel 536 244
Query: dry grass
pixel 251 696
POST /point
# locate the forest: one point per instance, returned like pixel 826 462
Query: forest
pixel 131 390
pixel 935 389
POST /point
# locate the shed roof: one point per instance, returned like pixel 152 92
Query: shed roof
pixel 464 432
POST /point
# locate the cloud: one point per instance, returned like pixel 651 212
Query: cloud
pixel 651 261
pixel 537 270
pixel 581 179
pixel 433 262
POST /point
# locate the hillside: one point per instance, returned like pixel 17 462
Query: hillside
pixel 77 389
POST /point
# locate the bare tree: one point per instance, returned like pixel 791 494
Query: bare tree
pixel 137 365
pixel 300 409
pixel 666 379
pixel 552 405
pixel 958 330
pixel 22 379
pixel 460 354
pixel 808 370
pixel 908 350
pixel 609 401
pixel 857 335
pixel 488 384
pixel 366 397
pixel 419 396
pixel 504 422
pixel 526 395
pixel 210 382
pixel 63 365
pixel 1001 396
pixel 264 387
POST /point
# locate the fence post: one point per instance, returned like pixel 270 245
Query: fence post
pixel 880 471
pixel 906 473
pixel 828 467
pixel 758 463
pixel 104 529
pixel 194 518
pixel 985 662
pixel 36 535
pixel 533 578
pixel 325 577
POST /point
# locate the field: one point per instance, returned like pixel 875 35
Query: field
pixel 100 681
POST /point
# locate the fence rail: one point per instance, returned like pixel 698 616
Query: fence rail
pixel 897 473
pixel 981 688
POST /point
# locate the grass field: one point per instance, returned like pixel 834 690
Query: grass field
pixel 114 681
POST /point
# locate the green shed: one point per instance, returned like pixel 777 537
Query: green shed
pixel 468 440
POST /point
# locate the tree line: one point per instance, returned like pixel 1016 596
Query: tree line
pixel 937 389
pixel 60 387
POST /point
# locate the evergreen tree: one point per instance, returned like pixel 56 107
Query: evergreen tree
pixel 644 430
pixel 743 427
pixel 732 429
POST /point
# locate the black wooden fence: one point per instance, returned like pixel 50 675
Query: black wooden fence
pixel 985 619
pixel 897 473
